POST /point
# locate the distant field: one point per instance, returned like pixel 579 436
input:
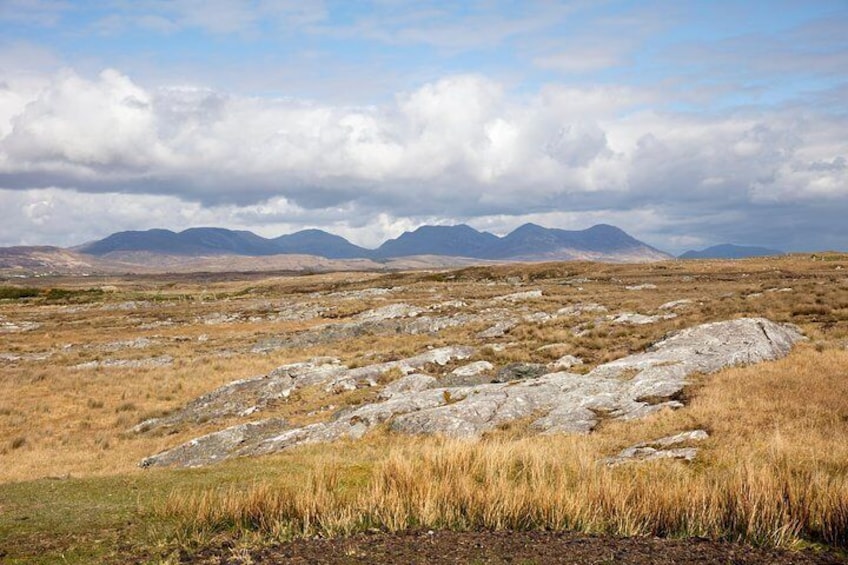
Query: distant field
pixel 84 360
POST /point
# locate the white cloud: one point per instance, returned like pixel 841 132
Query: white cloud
pixel 460 147
pixel 75 123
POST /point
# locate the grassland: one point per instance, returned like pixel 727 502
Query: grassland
pixel 774 471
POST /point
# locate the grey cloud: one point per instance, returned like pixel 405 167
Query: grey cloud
pixel 461 147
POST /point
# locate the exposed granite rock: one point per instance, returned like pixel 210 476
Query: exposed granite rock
pixel 520 296
pixel 360 294
pixel 434 324
pixel 498 330
pixel 538 317
pixel 247 396
pixel 646 286
pixel 520 371
pixel 217 318
pixel 631 387
pixel 674 304
pixel 473 369
pixel 15 327
pixel 416 382
pixel 583 308
pixel 331 333
pixel 448 305
pixel 216 446
pixel 138 343
pixel 660 449
pixel 468 375
pixel 389 312
pixel 638 319
pixel 296 312
pixel 15 357
pixel 150 362
pixel 369 375
pixel 566 362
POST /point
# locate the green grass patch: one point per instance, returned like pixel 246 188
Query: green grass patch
pixel 73 295
pixel 109 519
pixel 17 293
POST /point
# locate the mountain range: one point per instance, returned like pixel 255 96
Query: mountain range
pixel 529 242
pixel 730 251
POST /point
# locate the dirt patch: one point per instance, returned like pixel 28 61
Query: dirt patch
pixel 509 547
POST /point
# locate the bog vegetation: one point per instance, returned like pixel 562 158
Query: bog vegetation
pixel 774 470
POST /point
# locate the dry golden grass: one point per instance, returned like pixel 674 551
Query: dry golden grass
pixel 774 469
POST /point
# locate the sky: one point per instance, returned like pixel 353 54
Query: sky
pixel 685 123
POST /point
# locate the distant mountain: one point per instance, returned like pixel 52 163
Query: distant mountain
pixel 219 241
pixel 447 241
pixel 320 243
pixel 730 251
pixel 530 242
pixel 193 241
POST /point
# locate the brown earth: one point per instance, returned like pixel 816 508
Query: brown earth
pixel 524 548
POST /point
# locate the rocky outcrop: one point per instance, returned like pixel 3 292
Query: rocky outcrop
pixel 247 396
pixel 645 286
pixel 675 304
pixel 389 312
pixel 15 327
pixel 468 375
pixel 631 387
pixel 519 296
pixel 520 371
pixel 415 382
pixel 636 319
pixel 498 330
pixel 566 362
pixel 377 322
pixel 579 309
pixel 148 363
pixel 668 447
pixel 216 446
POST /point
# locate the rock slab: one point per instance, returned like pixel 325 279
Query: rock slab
pixel 560 402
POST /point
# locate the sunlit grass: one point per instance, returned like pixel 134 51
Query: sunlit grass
pixel 773 472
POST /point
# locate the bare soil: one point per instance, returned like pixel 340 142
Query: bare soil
pixel 524 548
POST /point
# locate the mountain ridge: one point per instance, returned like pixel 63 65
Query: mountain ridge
pixel 526 243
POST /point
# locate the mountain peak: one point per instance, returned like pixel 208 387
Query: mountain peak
pixel 451 241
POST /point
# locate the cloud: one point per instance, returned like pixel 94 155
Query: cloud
pixel 57 216
pixel 39 12
pixel 461 147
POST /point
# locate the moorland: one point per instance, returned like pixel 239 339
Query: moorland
pixel 101 373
